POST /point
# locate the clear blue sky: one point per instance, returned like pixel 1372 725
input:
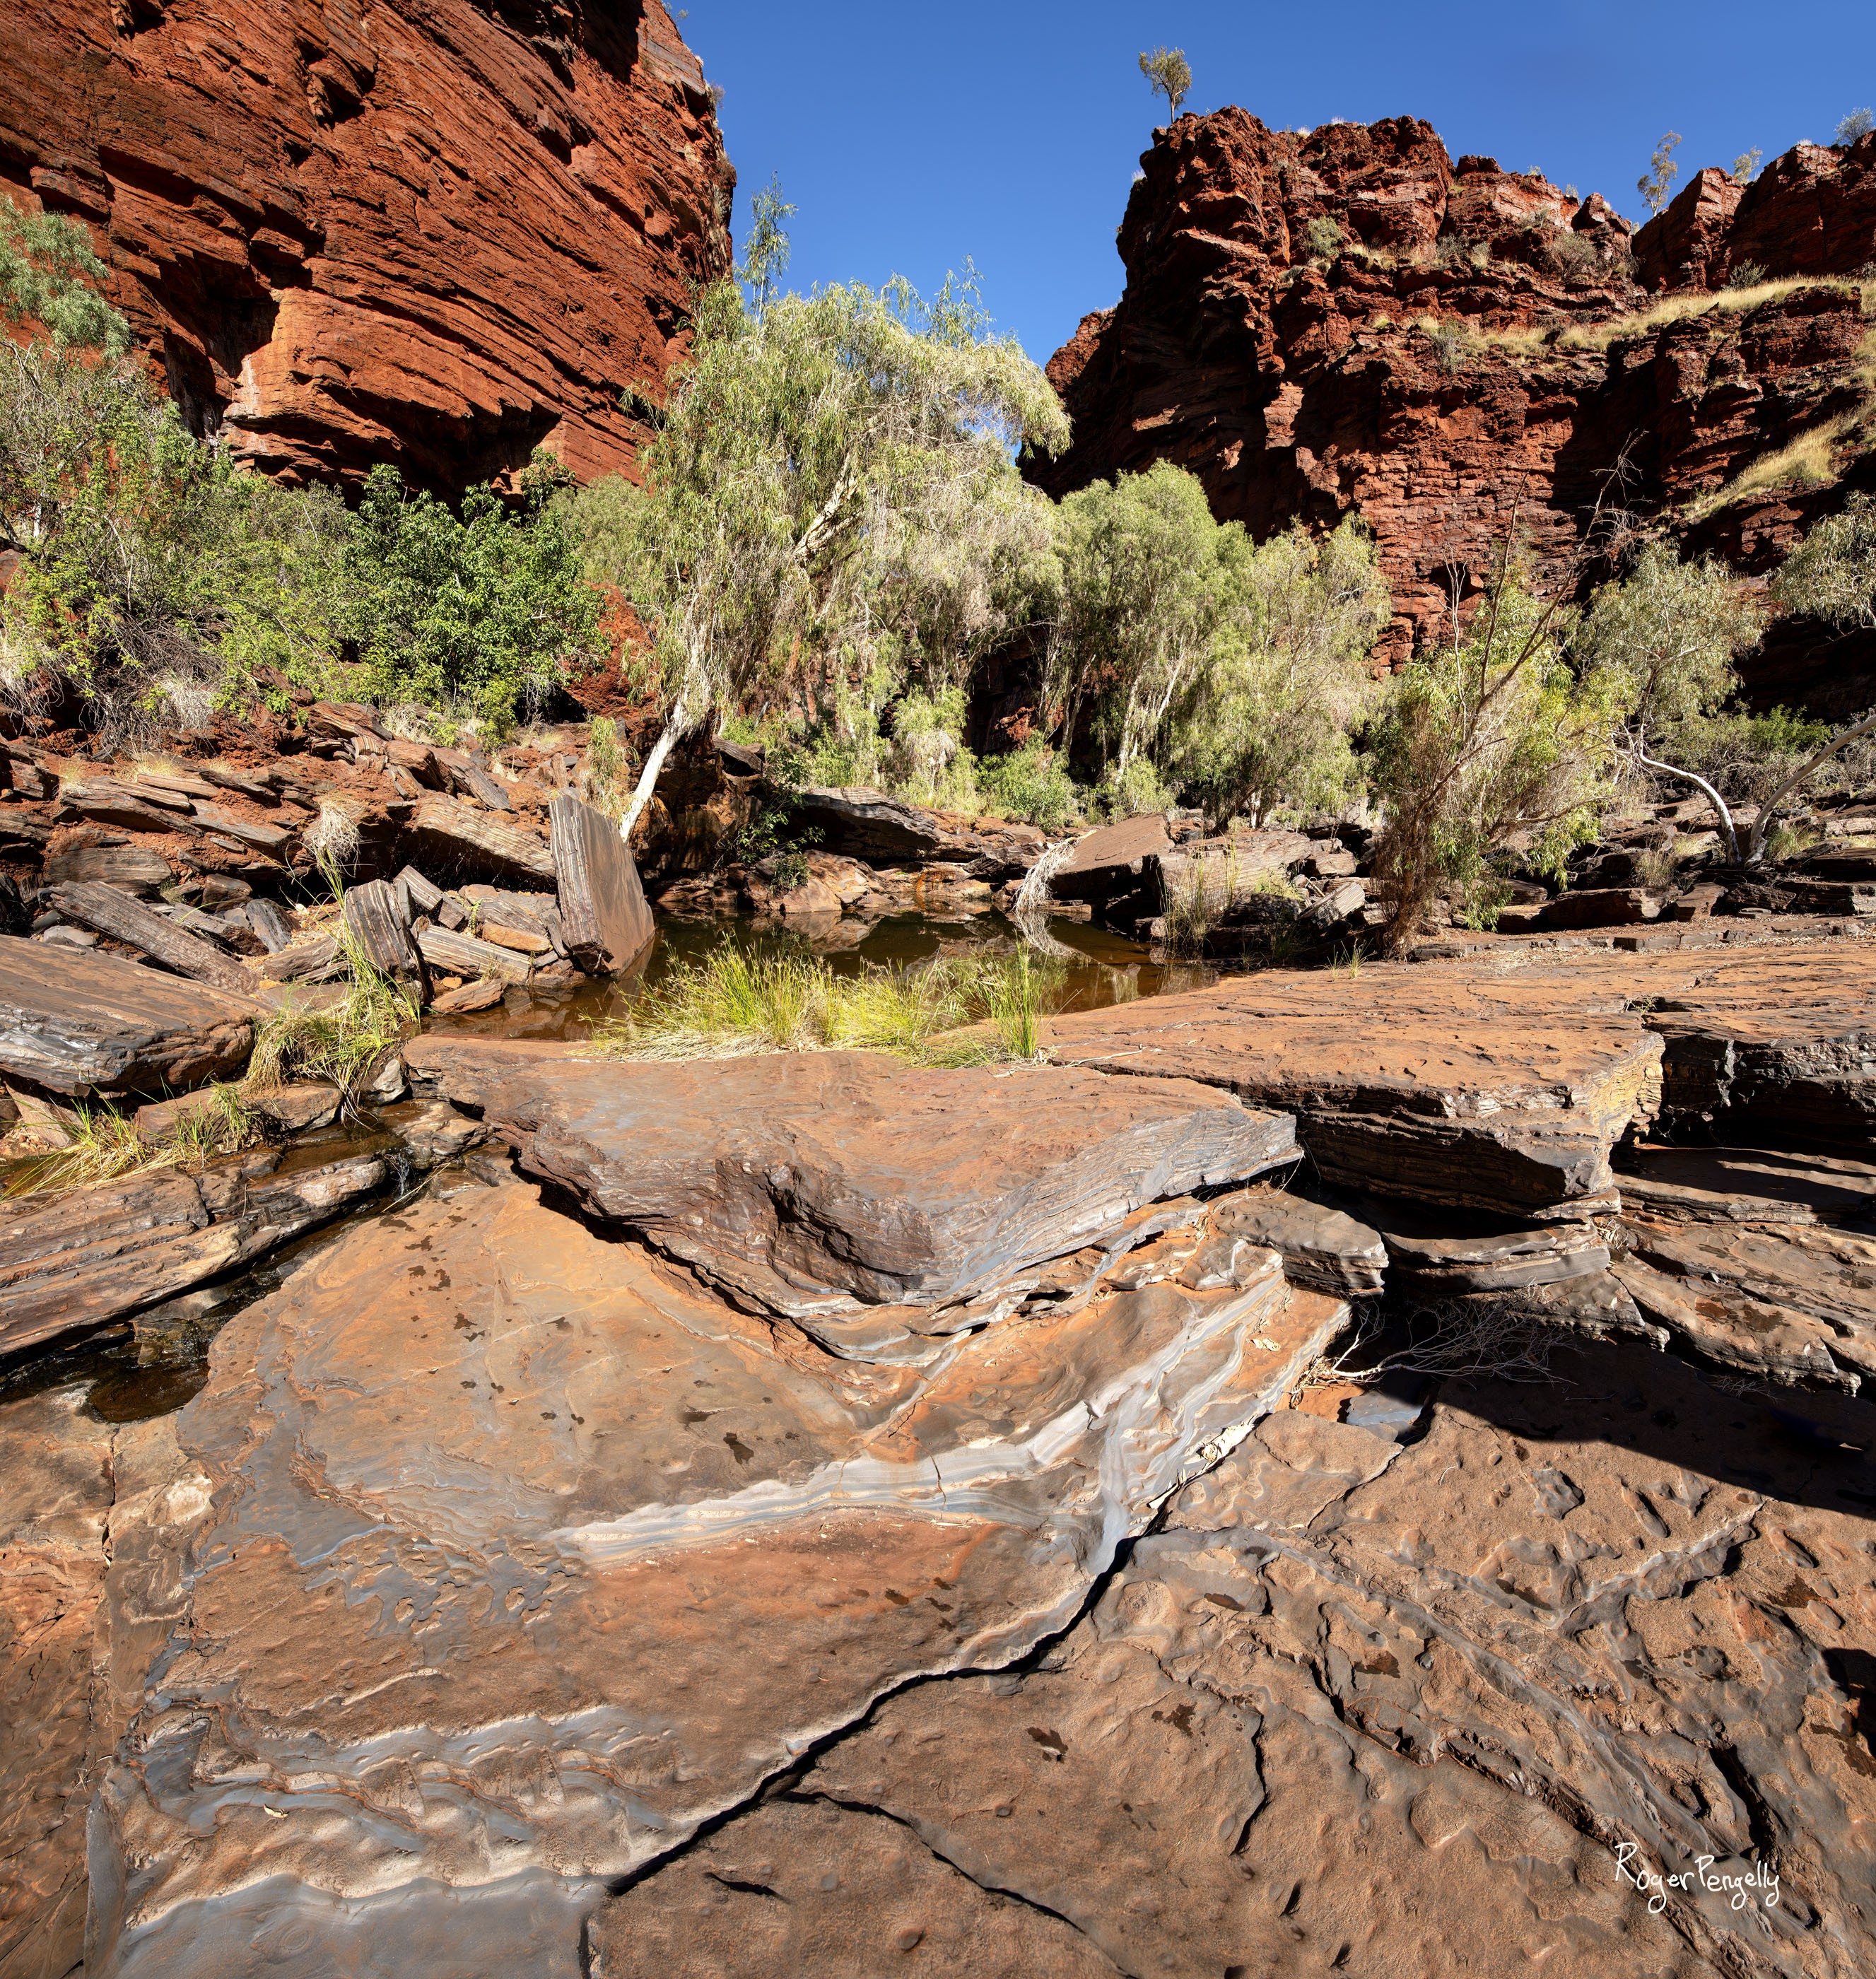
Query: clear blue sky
pixel 911 134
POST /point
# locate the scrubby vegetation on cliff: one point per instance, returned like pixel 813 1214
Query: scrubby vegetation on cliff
pixel 829 543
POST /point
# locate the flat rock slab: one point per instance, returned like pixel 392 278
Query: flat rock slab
pixel 1501 1083
pixel 807 1178
pixel 1405 1081
pixel 1390 1710
pixel 521 1555
pixel 81 1023
pixel 75 1261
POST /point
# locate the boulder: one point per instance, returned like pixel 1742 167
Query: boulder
pixel 1112 865
pixel 1601 906
pixel 465 839
pixel 804 1177
pixel 866 825
pixel 1322 1248
pixel 72 1262
pixel 85 1024
pixel 605 922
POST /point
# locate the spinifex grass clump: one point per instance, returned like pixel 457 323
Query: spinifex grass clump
pixel 732 1003
pixel 104 1144
pixel 338 1046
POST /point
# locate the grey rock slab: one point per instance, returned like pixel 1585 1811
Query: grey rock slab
pixel 803 1177
pixel 606 920
pixel 79 1023
pixel 94 905
pixel 134 869
pixel 375 919
pixel 464 955
pixel 1111 861
pixel 469 842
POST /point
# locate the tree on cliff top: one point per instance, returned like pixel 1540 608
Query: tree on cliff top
pixel 1656 184
pixel 819 467
pixel 1170 75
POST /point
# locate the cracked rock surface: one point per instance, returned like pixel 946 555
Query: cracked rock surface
pixel 1363 1706
pixel 520 1554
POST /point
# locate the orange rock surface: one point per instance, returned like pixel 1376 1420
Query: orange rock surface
pixel 438 234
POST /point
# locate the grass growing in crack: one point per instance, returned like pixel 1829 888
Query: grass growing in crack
pixel 337 1046
pixel 731 1004
pixel 101 1144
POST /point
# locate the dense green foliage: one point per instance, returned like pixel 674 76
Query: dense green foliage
pixel 831 537
pixel 830 510
pixel 477 611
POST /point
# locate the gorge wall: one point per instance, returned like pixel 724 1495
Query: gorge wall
pixel 440 232
pixel 1349 320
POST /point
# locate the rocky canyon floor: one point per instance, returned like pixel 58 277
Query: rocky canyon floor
pixel 817 1513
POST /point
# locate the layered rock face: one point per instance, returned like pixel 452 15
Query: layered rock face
pixel 436 234
pixel 1351 321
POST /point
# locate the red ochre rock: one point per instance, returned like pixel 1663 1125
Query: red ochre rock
pixel 1273 337
pixel 440 235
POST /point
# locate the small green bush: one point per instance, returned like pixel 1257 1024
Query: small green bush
pixel 1031 785
pixel 1325 238
pixel 484 610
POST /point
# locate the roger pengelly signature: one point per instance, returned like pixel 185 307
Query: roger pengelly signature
pixel 1739 1883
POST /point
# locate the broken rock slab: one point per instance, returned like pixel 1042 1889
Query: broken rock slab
pixel 598 1554
pixel 1441 1088
pixel 83 1024
pixel 806 1177
pixel 74 1261
pixel 107 911
pixel 606 920
pixel 464 841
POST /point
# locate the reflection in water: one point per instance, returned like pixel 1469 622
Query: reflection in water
pixel 153 1365
pixel 1098 968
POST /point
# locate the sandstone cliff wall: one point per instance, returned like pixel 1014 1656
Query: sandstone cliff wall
pixel 1351 319
pixel 435 232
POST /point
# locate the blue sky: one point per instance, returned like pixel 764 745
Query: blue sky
pixel 911 135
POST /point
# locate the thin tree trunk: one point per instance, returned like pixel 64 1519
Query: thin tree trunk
pixel 1712 796
pixel 1755 842
pixel 648 780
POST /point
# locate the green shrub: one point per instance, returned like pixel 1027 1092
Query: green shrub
pixel 1030 785
pixel 483 611
pixel 1323 237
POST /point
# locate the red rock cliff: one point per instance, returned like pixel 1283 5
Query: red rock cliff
pixel 1349 320
pixel 435 232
